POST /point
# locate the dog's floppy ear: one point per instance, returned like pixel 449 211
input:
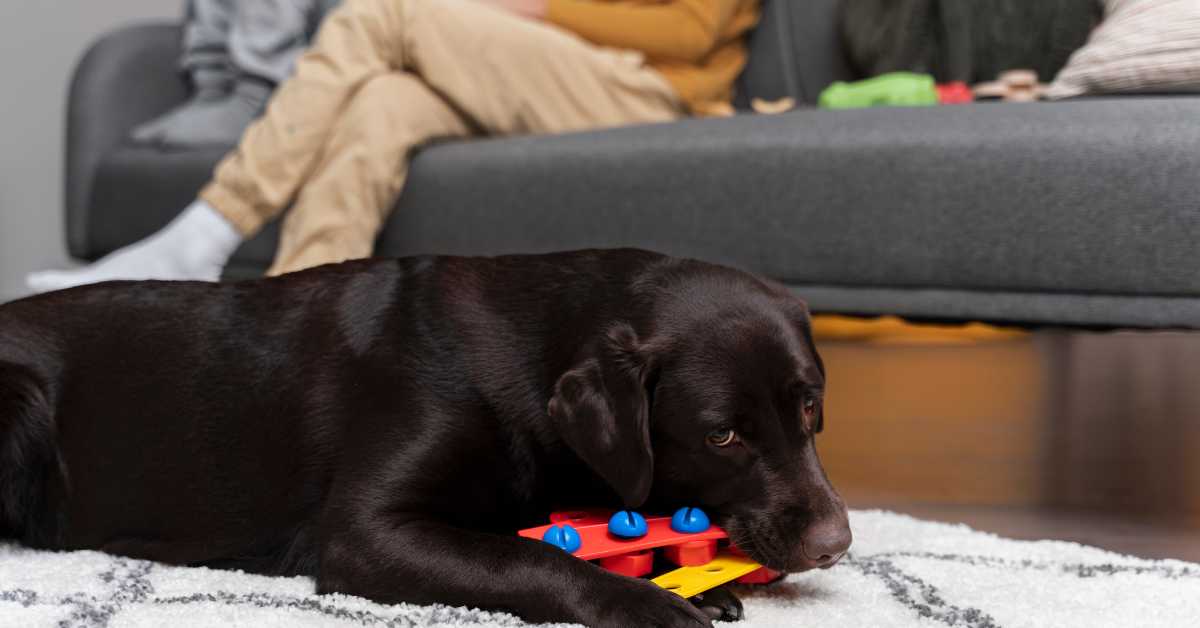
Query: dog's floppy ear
pixel 601 410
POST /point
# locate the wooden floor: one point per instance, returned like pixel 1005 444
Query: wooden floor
pixel 1092 437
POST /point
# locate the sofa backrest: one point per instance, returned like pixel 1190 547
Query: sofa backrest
pixel 794 52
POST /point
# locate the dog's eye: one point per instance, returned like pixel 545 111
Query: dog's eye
pixel 723 437
pixel 810 410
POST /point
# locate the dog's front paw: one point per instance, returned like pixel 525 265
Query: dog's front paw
pixel 629 602
pixel 719 604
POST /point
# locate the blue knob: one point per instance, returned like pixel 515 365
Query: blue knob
pixel 689 521
pixel 627 524
pixel 564 537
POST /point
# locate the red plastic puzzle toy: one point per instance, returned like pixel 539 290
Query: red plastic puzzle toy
pixel 599 543
pixel 699 554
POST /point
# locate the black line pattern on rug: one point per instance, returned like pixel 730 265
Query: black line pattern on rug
pixel 431 615
pixel 130 585
pixel 932 605
pixel 919 596
pixel 1080 570
pixel 24 597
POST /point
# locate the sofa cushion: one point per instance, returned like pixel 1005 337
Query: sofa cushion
pixel 794 52
pixel 1092 197
pixel 1139 47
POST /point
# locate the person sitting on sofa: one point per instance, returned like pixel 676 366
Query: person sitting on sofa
pixel 386 76
pixel 234 54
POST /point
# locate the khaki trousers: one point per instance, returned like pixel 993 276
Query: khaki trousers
pixel 386 76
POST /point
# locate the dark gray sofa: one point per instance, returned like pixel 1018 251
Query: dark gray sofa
pixel 1075 213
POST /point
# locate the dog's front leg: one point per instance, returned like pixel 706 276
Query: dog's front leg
pixel 397 559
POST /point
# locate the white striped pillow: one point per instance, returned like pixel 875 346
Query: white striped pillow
pixel 1141 46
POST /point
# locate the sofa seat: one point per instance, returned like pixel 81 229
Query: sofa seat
pixel 1093 199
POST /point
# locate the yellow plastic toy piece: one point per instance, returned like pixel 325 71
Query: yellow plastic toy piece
pixel 688 581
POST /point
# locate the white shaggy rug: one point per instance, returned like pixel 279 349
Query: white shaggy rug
pixel 901 572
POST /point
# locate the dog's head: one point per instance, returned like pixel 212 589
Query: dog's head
pixel 711 394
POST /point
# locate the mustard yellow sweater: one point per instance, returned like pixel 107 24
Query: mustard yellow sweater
pixel 697 45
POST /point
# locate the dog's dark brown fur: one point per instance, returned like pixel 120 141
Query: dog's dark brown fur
pixel 386 426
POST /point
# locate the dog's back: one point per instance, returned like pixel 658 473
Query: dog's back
pixel 117 432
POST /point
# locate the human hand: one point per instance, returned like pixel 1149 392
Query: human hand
pixel 532 9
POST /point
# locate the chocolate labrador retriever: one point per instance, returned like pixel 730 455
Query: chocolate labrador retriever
pixel 385 426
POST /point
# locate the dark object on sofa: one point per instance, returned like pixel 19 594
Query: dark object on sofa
pixel 969 41
pixel 1080 213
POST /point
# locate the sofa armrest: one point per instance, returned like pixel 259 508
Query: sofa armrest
pixel 125 78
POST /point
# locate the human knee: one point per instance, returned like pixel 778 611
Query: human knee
pixel 384 90
pixel 393 100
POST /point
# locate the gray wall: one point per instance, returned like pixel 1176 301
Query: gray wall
pixel 40 41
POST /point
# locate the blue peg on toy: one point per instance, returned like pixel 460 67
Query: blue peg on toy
pixel 564 537
pixel 627 525
pixel 689 521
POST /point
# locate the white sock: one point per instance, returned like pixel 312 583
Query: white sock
pixel 194 246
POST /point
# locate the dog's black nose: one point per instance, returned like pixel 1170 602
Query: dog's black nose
pixel 826 541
